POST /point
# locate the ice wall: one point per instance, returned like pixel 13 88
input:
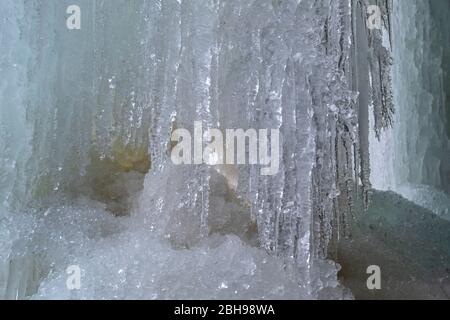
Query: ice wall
pixel 14 133
pixel 416 150
pixel 94 109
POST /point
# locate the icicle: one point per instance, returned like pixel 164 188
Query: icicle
pixel 380 61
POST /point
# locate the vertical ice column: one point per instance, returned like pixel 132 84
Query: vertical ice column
pixel 417 149
pixel 14 137
pixel 14 131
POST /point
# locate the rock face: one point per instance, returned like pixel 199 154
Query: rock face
pixel 410 244
pixel 116 179
pixel 227 214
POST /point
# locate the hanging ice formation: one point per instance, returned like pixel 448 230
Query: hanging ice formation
pixel 412 159
pixel 88 114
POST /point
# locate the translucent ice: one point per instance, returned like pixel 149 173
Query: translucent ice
pixel 86 118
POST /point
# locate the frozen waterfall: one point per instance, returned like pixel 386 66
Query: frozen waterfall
pixel 86 118
pixel 413 157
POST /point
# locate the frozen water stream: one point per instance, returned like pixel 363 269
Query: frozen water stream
pixel 413 157
pixel 86 118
